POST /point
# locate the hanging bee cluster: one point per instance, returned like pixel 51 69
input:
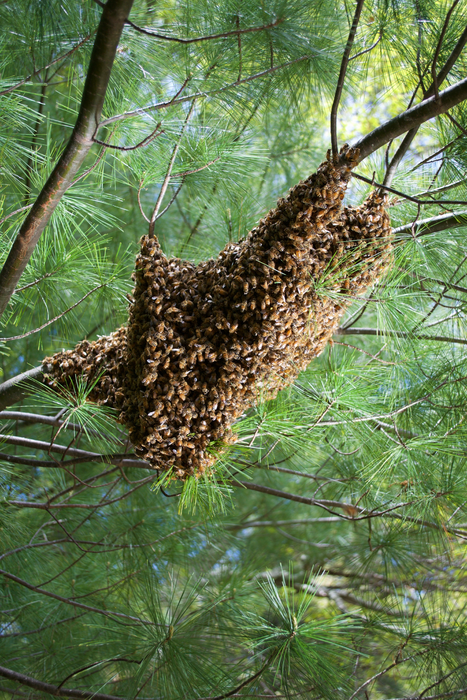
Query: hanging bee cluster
pixel 206 342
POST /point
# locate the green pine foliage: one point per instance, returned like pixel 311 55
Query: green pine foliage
pixel 326 558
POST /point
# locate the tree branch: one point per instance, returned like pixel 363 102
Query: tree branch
pixel 105 46
pixel 209 93
pixel 208 37
pixel 400 334
pixel 55 318
pixel 16 388
pixel 75 604
pixel 433 90
pixel 425 226
pixel 36 72
pixel 341 78
pixel 421 202
pixel 411 118
pixel 53 689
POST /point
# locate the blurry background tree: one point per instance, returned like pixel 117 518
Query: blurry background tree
pixel 327 557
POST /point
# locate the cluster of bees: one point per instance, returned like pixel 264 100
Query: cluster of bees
pixel 206 342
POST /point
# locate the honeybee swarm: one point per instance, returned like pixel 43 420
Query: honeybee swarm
pixel 205 342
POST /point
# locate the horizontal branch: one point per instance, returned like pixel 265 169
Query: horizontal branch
pixel 16 388
pixel 411 118
pixel 74 603
pixel 53 421
pixel 410 198
pixel 355 512
pixel 400 334
pixel 53 689
pixel 118 460
pixel 275 523
pixel 207 37
pixel 197 95
pixel 321 503
pixel 433 225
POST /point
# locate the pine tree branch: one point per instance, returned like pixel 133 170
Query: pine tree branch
pixel 400 334
pixel 208 37
pixel 103 54
pixel 50 689
pixel 341 78
pixel 434 86
pixel 83 506
pixel 42 68
pixel 16 388
pixel 433 90
pixel 321 503
pixel 423 227
pixel 53 421
pixel 370 48
pixel 82 455
pixel 75 604
pixel 165 184
pixel 39 630
pixel 55 318
pixel 196 95
pixel 408 197
pixel 444 188
pixel 411 118
pixel 17 211
pixel 117 460
pixel 243 684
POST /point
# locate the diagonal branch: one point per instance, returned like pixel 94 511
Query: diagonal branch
pixel 103 54
pixel 341 78
pixel 55 318
pixel 39 70
pixel 412 118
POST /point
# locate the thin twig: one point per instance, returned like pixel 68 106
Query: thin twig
pixel 178 100
pixel 56 60
pixel 177 192
pixel 17 211
pixel 69 601
pixel 165 184
pixel 208 37
pixel 370 48
pixel 153 135
pixel 439 45
pixel 439 202
pixel 56 318
pixel 198 170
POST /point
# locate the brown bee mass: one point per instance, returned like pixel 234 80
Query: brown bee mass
pixel 206 342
